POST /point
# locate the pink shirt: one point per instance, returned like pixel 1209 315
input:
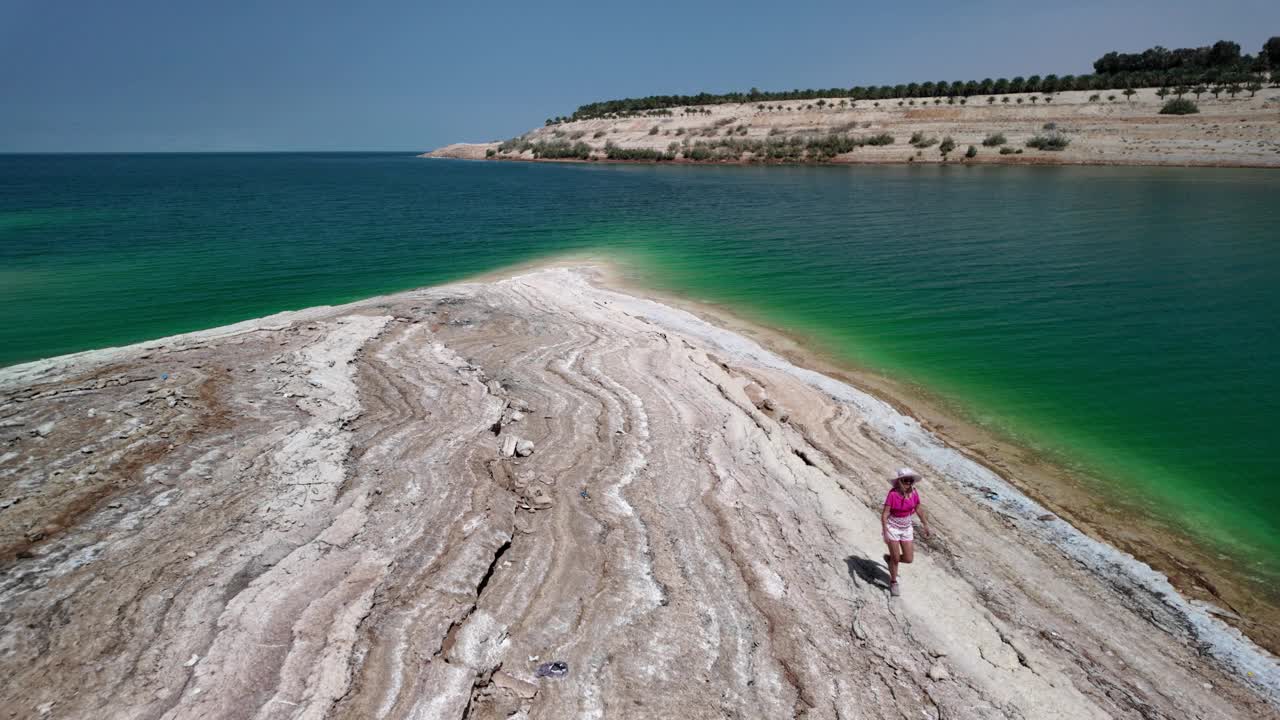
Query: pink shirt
pixel 899 506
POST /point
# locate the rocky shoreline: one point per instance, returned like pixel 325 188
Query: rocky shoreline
pixel 418 504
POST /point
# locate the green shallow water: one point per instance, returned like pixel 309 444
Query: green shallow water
pixel 1120 320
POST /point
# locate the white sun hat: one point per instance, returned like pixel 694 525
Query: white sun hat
pixel 906 472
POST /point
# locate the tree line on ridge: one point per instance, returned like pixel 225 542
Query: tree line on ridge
pixel 1221 65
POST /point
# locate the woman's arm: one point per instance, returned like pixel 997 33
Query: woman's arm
pixel 884 521
pixel 924 519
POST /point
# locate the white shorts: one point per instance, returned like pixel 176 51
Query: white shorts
pixel 899 529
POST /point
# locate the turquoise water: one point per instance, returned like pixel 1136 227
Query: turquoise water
pixel 1121 320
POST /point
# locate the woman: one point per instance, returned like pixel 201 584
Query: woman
pixel 902 502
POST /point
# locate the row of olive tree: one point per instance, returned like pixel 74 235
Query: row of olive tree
pixel 1219 64
pixel 1223 56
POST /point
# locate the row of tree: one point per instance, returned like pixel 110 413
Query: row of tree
pixel 1223 56
pixel 1218 64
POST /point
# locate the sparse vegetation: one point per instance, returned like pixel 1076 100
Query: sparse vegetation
pixel 1169 74
pixel 552 150
pixel 796 148
pixel 1052 141
pixel 1158 67
pixel 919 140
pixel 1179 106
pixel 516 144
pixel 613 152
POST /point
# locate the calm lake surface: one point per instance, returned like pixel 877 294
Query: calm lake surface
pixel 1122 320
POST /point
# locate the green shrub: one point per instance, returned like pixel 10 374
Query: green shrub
pixel 577 134
pixel 613 152
pixel 517 144
pixel 560 150
pixel 1053 141
pixel 1049 126
pixel 881 139
pixel 774 132
pixel 1095 97
pixel 599 134
pixel 699 152
pixel 994 140
pixel 972 152
pixel 1006 150
pixel 653 130
pixel 919 140
pixel 1179 106
pixel 490 153
pixel 947 145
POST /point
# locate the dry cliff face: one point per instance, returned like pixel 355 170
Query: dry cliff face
pixel 1228 131
pixel 404 507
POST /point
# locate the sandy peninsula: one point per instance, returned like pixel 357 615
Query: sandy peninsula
pixel 1103 128
pixel 404 507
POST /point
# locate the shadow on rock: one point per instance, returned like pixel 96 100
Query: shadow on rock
pixel 867 570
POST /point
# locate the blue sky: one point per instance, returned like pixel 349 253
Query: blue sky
pixel 147 75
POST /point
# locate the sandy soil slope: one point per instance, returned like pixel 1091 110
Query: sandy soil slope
pixel 402 507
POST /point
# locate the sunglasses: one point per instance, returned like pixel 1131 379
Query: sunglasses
pixel 907 481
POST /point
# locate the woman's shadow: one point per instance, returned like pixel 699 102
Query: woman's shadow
pixel 867 570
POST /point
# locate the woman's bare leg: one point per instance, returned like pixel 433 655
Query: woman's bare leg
pixel 908 552
pixel 895 552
